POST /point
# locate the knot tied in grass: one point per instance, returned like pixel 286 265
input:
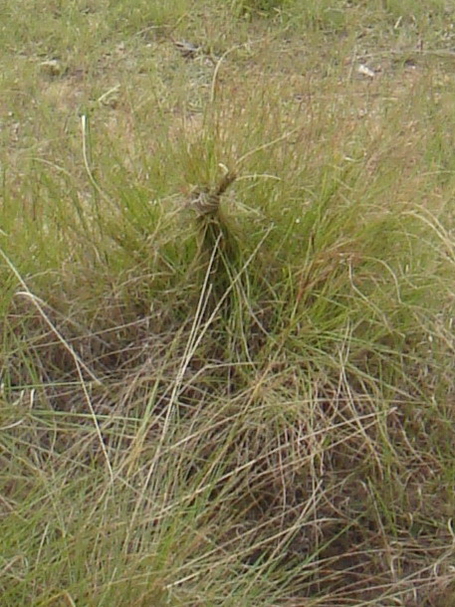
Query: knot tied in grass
pixel 206 200
pixel 219 249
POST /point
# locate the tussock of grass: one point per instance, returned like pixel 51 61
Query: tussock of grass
pixel 227 341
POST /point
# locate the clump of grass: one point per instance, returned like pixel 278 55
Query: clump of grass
pixel 258 386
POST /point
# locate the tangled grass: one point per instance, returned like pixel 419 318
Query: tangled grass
pixel 219 390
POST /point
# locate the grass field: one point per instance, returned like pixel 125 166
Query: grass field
pixel 227 264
